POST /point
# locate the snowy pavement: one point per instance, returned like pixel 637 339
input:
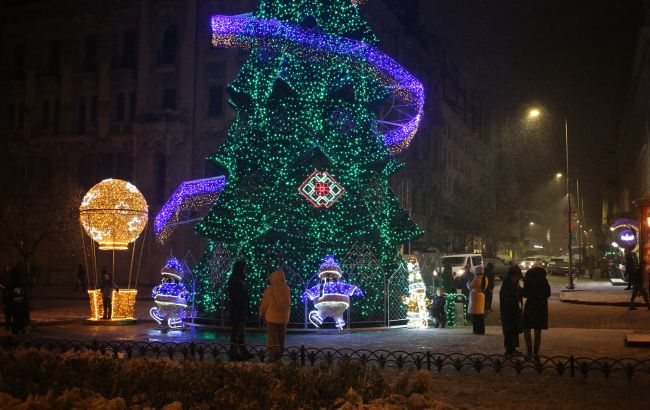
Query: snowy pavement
pixel 579 330
pixel 599 293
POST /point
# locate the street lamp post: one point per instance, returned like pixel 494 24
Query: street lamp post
pixel 568 196
pixel 533 114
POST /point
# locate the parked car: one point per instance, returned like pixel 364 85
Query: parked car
pixel 527 263
pixel 553 263
pixel 458 262
pixel 500 267
pixel 558 268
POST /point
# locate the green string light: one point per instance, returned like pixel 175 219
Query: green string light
pixel 294 116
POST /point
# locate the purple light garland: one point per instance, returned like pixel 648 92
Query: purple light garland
pixel 246 32
pixel 186 195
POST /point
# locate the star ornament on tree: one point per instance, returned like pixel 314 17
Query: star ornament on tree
pixel 321 189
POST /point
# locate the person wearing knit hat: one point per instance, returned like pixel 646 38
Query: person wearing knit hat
pixel 275 310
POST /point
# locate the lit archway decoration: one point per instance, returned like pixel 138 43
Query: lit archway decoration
pixel 189 196
pixel 398 127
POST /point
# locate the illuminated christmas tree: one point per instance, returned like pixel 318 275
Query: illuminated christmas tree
pixel 308 159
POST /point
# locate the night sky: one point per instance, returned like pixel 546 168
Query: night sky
pixel 572 57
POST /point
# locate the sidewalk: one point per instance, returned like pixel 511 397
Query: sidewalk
pixel 599 292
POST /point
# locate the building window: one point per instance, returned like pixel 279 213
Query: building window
pixel 93 110
pixel 53 61
pixel 168 99
pixel 132 105
pixel 128 57
pixel 11 117
pixel 119 107
pixel 81 119
pixel 215 101
pixel 45 114
pixel 20 115
pixel 123 166
pixel 19 63
pixel 169 45
pixel 56 115
pixel 90 55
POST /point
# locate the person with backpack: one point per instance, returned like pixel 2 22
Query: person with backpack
pixel 476 306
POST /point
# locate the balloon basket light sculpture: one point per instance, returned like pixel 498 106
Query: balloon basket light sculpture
pixel 113 213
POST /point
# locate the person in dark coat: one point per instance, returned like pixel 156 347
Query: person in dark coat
pixel 4 295
pixel 106 287
pixel 631 267
pixel 510 305
pixel 636 280
pixel 448 278
pixel 80 280
pixel 438 311
pixel 489 276
pixel 16 298
pixel 239 304
pixel 536 291
pixel 463 280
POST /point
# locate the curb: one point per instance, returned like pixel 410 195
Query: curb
pixel 596 303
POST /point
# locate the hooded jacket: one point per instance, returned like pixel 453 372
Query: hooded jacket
pixel 477 295
pixel 276 302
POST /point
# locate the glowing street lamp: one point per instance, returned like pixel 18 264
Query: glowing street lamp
pixel 534 114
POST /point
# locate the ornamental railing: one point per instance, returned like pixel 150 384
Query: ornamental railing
pixel 572 366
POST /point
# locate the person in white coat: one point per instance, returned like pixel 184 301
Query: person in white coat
pixel 275 310
pixel 476 306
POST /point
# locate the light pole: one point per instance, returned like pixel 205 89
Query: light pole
pixel 568 197
pixel 534 114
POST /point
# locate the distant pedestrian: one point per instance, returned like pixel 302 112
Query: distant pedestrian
pixel 448 278
pixel 477 300
pixel 438 309
pixel 536 291
pixel 4 295
pixel 510 305
pixel 489 276
pixel 80 279
pixel 631 267
pixel 646 282
pixel 107 286
pixel 239 301
pixel 638 285
pixel 276 309
pixel 514 266
pixel 17 298
pixel 463 280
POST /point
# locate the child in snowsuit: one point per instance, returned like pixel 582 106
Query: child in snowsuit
pixel 438 309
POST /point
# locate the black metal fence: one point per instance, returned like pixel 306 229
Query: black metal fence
pixel 328 357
